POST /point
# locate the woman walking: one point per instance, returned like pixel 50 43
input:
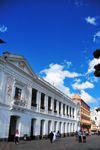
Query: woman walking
pixel 16 137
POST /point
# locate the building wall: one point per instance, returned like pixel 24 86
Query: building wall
pixel 85 117
pixel 20 114
pixel 95 116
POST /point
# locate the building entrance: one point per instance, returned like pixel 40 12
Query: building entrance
pixel 14 125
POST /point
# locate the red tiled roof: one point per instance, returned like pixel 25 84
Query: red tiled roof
pixel 98 109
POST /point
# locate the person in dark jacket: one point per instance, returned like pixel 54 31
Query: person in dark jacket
pixel 79 135
pixel 51 136
pixel 76 135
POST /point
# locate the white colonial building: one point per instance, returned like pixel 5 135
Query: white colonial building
pixel 30 104
pixel 95 116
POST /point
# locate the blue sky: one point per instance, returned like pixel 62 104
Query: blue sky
pixel 58 38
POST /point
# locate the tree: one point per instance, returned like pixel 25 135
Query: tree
pixel 97 67
pixel 1 41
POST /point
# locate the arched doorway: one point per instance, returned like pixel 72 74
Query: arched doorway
pixel 42 128
pixel 55 126
pixel 33 128
pixel 49 126
pixel 14 125
pixel 64 128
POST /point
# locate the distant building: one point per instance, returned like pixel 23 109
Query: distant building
pixel 93 126
pixel 85 117
pixel 95 116
pixel 31 104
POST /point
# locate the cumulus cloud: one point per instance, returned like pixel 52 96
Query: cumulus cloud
pixel 87 98
pixel 92 64
pixel 91 20
pixel 96 37
pixel 82 86
pixel 3 28
pixel 56 75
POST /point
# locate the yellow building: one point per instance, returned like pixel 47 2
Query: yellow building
pixel 85 118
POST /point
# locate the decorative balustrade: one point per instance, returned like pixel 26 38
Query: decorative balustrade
pixel 18 104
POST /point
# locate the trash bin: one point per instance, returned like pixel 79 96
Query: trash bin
pixel 26 137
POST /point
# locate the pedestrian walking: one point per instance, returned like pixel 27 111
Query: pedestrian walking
pixel 51 136
pixel 54 137
pixel 76 135
pixel 58 135
pixel 84 137
pixel 16 137
pixel 79 136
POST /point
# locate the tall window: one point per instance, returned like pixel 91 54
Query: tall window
pixel 17 93
pixel 34 93
pixel 63 109
pixel 67 110
pixel 54 105
pixel 42 101
pixel 59 107
pixel 49 103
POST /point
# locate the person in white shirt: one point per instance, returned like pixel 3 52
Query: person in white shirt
pixel 54 137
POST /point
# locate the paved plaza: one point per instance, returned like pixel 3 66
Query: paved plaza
pixel 67 143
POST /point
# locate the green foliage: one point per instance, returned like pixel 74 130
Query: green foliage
pixel 97 67
pixel 97 73
pixel 96 53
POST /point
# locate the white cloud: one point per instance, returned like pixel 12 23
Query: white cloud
pixel 82 86
pixel 93 79
pixel 68 63
pixel 91 20
pixel 97 35
pixel 3 28
pixel 56 75
pixel 92 64
pixel 98 98
pixel 87 98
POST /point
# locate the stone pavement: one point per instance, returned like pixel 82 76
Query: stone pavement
pixel 67 143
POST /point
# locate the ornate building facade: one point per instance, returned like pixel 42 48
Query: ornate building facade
pixel 85 117
pixel 31 104
pixel 95 116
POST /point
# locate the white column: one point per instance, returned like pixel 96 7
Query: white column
pixel 38 100
pixel 52 124
pixel 46 103
pixel 69 127
pixel 1 84
pixel 46 127
pixel 13 90
pixel 57 107
pixel 62 127
pixel 38 123
pixel 57 125
pixel 52 105
pixel 71 111
pixel 4 87
pixel 30 97
pixel 61 108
